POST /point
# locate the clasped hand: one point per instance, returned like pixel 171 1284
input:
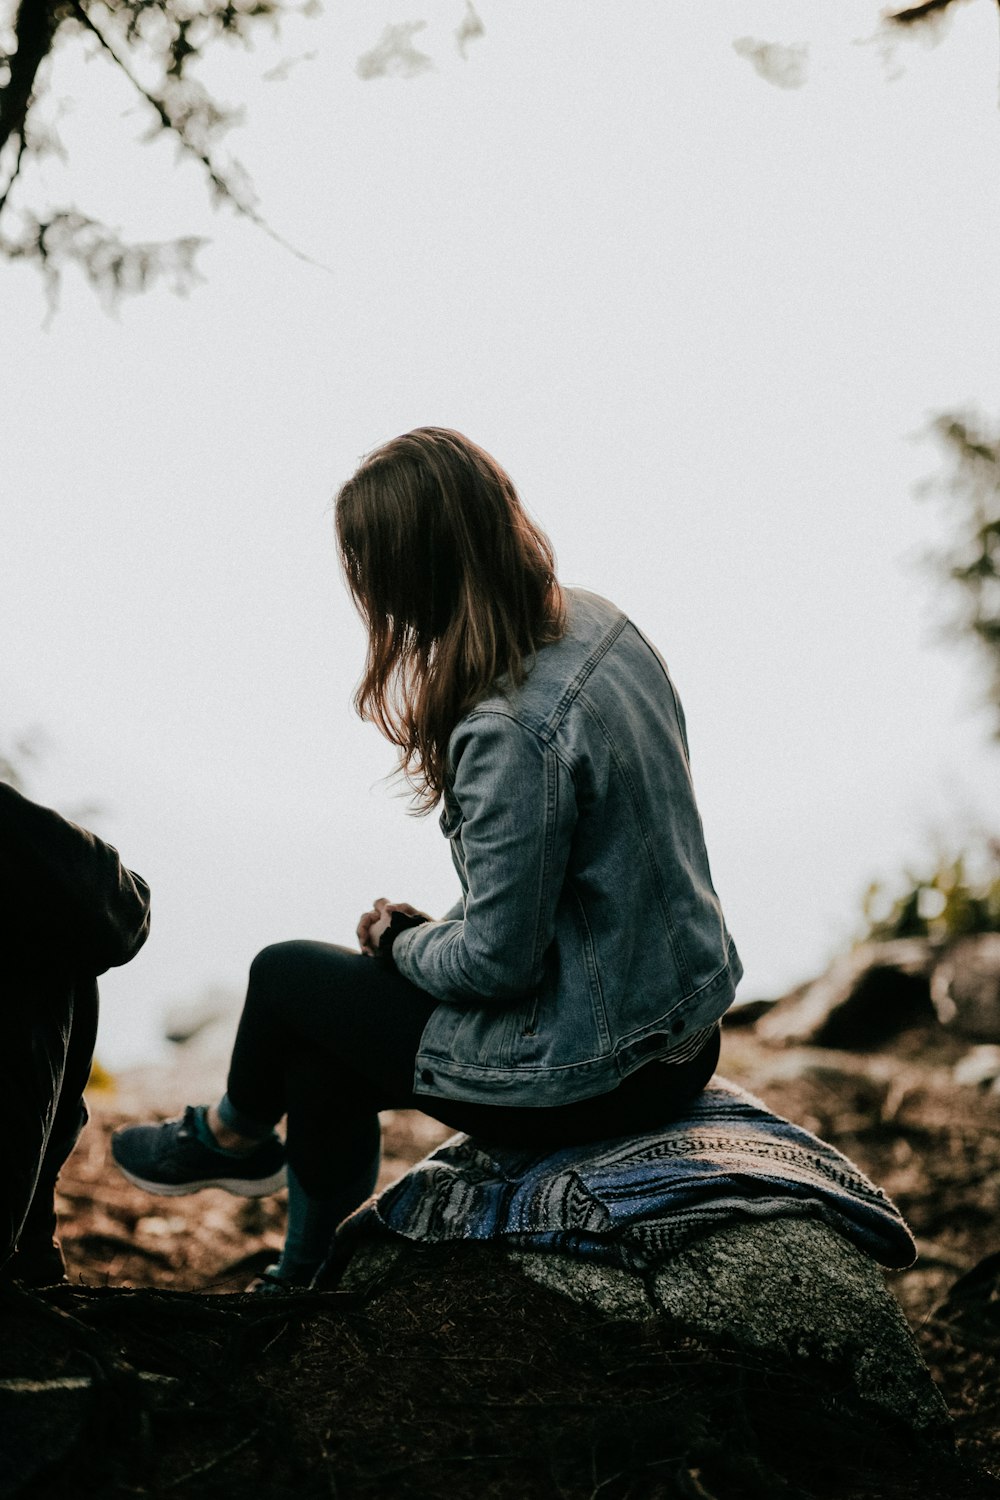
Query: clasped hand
pixel 373 923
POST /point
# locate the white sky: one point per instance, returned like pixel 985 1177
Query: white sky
pixel 698 317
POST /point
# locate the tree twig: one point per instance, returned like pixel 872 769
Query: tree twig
pixel 18 160
pixel 223 188
pixel 917 13
pixel 33 32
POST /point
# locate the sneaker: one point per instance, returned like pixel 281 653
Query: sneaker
pixel 172 1158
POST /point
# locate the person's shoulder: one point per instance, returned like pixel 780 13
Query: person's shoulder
pixel 555 671
pixel 538 703
pixel 19 815
pixel 589 614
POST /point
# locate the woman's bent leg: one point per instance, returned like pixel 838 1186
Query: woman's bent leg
pixel 327 1038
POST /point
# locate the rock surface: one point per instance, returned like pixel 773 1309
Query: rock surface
pixel 450 1376
pixel 965 987
pixel 979 1068
pixel 864 997
pixel 790 1290
pixel 870 995
pixel 466 1379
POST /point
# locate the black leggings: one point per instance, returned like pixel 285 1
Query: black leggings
pixel 328 1037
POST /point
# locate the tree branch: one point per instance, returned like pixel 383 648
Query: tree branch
pixel 224 189
pixel 917 13
pixel 169 122
pixel 18 161
pixel 33 30
pixel 927 12
pixel 181 107
pixel 113 267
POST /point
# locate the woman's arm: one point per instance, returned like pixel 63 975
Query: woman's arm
pixel 518 812
pixel 65 897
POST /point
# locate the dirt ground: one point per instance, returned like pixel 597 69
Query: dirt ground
pixel 933 1146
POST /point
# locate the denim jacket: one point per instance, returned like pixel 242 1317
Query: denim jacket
pixel 589 939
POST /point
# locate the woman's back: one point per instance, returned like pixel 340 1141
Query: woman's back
pixel 592 938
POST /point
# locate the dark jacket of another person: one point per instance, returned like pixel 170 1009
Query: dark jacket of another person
pixel 69 909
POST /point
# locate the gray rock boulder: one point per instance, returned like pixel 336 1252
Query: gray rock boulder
pixel 979 1068
pixel 864 998
pixel 965 987
pixel 786 1289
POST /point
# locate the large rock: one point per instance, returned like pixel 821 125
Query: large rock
pixel 764 1361
pixel 788 1290
pixel 864 998
pixel 979 1068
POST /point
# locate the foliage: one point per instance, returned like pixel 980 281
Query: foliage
pixel 157 45
pixel 970 564
pixel 112 267
pixel 19 752
pixel 785 67
pixel 100 1080
pixel 15 755
pixel 396 54
pixel 955 894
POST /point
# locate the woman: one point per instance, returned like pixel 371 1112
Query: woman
pixel 574 991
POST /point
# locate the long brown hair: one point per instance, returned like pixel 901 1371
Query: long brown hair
pixel 455 583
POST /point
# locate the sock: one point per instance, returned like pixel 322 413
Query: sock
pixel 237 1119
pixel 203 1131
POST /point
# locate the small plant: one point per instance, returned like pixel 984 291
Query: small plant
pixel 100 1080
pixel 955 894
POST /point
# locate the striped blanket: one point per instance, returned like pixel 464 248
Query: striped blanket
pixel 636 1200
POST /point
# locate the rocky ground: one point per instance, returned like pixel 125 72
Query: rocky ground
pixel 931 1142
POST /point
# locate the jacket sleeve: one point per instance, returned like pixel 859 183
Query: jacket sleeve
pixel 517 813
pixel 65 894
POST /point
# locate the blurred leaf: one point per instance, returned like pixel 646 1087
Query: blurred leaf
pixel 954 894
pixel 786 67
pixel 17 753
pixel 969 563
pixel 470 28
pixel 394 54
pixel 100 1079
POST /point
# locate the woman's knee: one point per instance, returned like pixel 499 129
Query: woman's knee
pixel 273 970
pixel 281 957
pixel 299 972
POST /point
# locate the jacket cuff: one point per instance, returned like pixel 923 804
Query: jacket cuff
pixel 399 923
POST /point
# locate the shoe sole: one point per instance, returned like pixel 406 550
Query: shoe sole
pixel 240 1187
